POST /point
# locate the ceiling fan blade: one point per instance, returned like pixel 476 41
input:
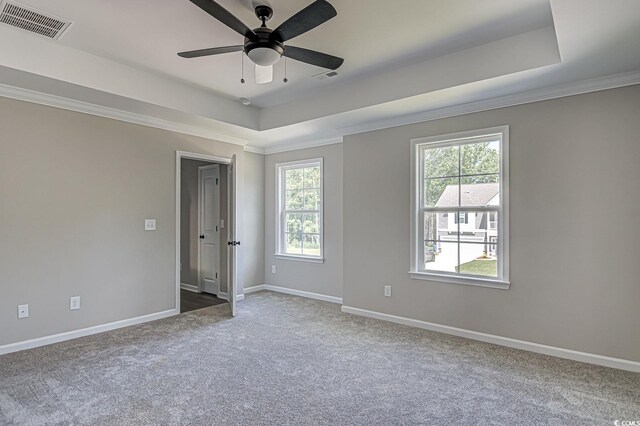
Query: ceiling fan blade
pixel 318 12
pixel 210 51
pixel 312 57
pixel 264 75
pixel 224 16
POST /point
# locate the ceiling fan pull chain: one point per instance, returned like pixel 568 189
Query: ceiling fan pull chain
pixel 242 68
pixel 285 70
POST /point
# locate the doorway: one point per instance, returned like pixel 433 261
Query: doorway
pixel 206 249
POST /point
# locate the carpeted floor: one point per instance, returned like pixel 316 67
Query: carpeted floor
pixel 288 360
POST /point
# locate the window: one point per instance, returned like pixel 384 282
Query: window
pixel 461 217
pixel 299 215
pixel 460 208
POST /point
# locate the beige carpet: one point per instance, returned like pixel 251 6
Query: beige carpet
pixel 288 360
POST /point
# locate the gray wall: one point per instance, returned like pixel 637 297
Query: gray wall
pixel 253 240
pixel 189 220
pixel 74 192
pixel 575 204
pixel 325 278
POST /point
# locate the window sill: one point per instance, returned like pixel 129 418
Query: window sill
pixel 299 258
pixel 478 282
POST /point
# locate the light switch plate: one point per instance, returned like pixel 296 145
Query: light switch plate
pixel 387 291
pixel 74 303
pixel 221 223
pixel 149 224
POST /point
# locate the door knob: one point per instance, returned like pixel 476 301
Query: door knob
pixel 202 237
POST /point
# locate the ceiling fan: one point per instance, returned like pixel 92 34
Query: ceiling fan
pixel 265 46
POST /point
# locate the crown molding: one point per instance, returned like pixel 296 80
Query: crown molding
pixel 254 149
pixel 305 144
pixel 537 95
pixel 46 99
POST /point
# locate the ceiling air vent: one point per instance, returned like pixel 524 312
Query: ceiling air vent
pixel 32 20
pixel 326 75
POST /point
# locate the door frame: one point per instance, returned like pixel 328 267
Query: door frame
pixel 200 219
pixel 187 156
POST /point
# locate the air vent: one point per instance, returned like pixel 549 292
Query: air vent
pixel 32 20
pixel 326 75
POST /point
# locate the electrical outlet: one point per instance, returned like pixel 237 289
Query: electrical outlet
pixel 273 269
pixel 149 224
pixel 74 303
pixel 387 291
pixel 23 311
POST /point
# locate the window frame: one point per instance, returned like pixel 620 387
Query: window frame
pixel 418 209
pixel 280 170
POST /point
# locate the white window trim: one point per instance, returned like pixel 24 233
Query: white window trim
pixel 280 168
pixel 503 224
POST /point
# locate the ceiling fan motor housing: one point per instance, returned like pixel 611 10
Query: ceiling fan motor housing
pixel 264 50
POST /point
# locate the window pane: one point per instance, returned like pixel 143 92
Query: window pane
pixel 441 192
pixel 293 243
pixel 440 226
pixel 480 191
pixel 479 259
pixel 312 199
pixel 293 223
pixel 312 177
pixel 311 223
pixel 295 200
pixel 293 179
pixel 480 158
pixel 441 162
pixel 311 244
pixel 439 256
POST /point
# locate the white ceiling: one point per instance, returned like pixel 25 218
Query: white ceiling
pixel 401 58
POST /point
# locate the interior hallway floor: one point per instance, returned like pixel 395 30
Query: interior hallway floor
pixel 190 301
pixel 289 360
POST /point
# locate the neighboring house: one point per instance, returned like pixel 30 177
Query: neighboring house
pixel 473 227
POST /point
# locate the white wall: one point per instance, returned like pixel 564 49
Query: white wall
pixel 325 278
pixel 74 192
pixel 575 173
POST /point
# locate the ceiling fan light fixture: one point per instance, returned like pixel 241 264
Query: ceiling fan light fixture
pixel 264 56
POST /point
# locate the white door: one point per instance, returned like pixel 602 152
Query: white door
pixel 209 232
pixel 232 244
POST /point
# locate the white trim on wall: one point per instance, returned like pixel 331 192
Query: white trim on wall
pixel 294 146
pixel 189 156
pixel 61 337
pixel 47 99
pixel 189 287
pixel 605 361
pixel 285 290
pixel 535 95
pixel 225 296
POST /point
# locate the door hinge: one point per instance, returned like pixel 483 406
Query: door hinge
pixel 216 228
pixel 216 275
pixel 216 181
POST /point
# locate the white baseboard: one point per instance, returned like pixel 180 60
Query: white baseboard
pixel 190 287
pixel 254 288
pixel 605 361
pixel 225 296
pixel 291 291
pixel 61 337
